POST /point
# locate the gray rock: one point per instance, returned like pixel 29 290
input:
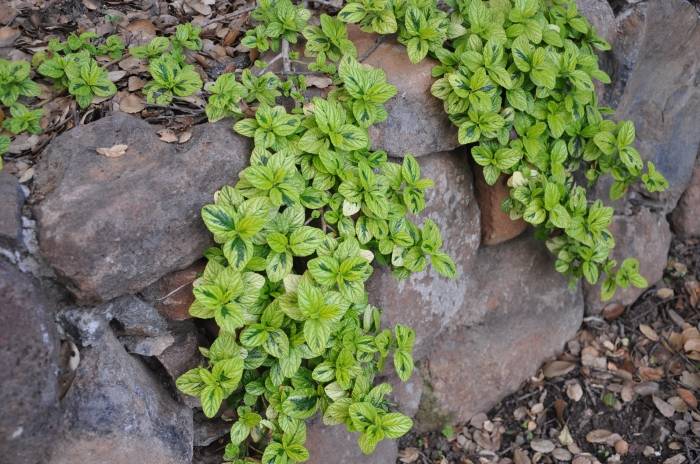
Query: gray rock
pixel 183 355
pixel 29 364
pixel 117 412
pixel 334 444
pixel 417 121
pixel 427 301
pixel 644 235
pixel 111 226
pixel 657 86
pixel 686 216
pixel 207 431
pixel 10 210
pixel 138 325
pixel 518 313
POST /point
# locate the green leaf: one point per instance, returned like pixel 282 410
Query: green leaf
pixel 443 264
pixel 396 425
pixel 211 398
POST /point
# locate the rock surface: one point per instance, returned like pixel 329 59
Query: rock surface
pixel 102 218
pixel 519 314
pixel 657 86
pixel 644 235
pixel 10 207
pixel 172 294
pixel 29 365
pixel 601 16
pixel 686 216
pixel 116 412
pixel 426 301
pixel 417 122
pixel 336 445
pixel 496 226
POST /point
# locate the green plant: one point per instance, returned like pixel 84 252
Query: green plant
pixel 4 147
pixel 15 82
pixel 225 97
pixel 280 20
pixel 170 79
pixel 23 120
pixel 297 235
pixel 516 77
pixel 79 73
pixel 187 37
pixel 329 41
pixel 153 49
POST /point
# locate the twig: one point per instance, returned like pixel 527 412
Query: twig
pixel 326 3
pixel 286 64
pixel 269 63
pixel 228 16
pixel 377 42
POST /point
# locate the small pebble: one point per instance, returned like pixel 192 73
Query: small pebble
pixel 621 447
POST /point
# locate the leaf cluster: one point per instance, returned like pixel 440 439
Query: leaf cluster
pixel 278 20
pixel 517 78
pixel 296 238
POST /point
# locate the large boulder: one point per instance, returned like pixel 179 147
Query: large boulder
pixel 111 226
pixel 426 300
pixel 655 85
pixel 480 335
pixel 518 313
pixel 117 412
pixel 644 235
pixel 10 207
pixel 417 122
pixel 29 364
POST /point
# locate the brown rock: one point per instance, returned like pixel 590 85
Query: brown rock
pixel 643 235
pixel 686 216
pixel 335 444
pixel 496 226
pixel 183 354
pixel 111 226
pixel 417 121
pixel 426 301
pixel 517 313
pixel 172 294
pixel 29 365
pixel 10 208
pixel 613 311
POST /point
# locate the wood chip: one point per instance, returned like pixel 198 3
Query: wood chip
pixel 8 35
pixel 649 332
pixel 114 151
pixel 688 397
pixel 665 293
pixel 574 391
pixel 602 436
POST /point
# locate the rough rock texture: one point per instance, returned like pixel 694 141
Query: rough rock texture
pixel 657 86
pixel 644 235
pixel 427 301
pixel 496 226
pixel 336 445
pixel 172 294
pixel 116 412
pixel 521 314
pixel 417 122
pixel 10 206
pixel 102 218
pixel 486 331
pixel 29 365
pixel 686 216
pixel 601 16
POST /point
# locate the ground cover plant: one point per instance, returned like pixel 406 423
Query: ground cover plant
pixel 318 205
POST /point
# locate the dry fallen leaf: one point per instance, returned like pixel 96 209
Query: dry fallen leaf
pixel 688 397
pixel 603 436
pixel 114 151
pixel 409 455
pixel 664 293
pixel 320 82
pixel 664 408
pixel 185 136
pixel 135 83
pixel 542 446
pixel 574 391
pixel 692 345
pixel 8 35
pixel 557 368
pixel 167 135
pixel 114 76
pixel 132 103
pixel 649 332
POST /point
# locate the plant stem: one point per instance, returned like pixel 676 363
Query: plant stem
pixel 228 16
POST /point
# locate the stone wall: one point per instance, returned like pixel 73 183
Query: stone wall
pixel 92 342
